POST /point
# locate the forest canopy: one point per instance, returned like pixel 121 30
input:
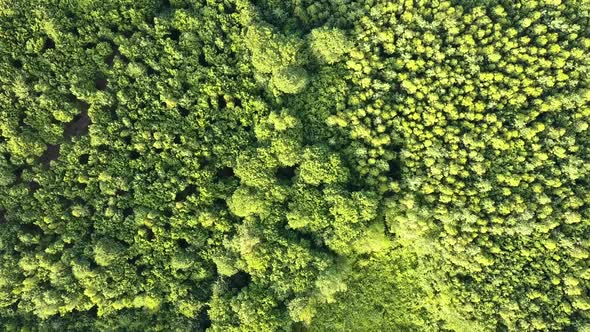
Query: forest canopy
pixel 295 165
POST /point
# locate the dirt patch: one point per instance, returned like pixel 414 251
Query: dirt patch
pixel 189 190
pixel 110 60
pixel 221 102
pixel 395 170
pixel 175 34
pixel 49 44
pixel 83 159
pixel 101 83
pixel 285 173
pixel 203 61
pixel 225 172
pixel 18 174
pixel 239 280
pixel 183 111
pixel 78 126
pixel 51 153
pixel 33 186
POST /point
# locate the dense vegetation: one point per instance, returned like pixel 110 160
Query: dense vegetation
pixel 278 165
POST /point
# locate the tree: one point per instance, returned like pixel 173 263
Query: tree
pixel 328 45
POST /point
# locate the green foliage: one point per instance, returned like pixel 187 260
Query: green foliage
pixel 106 252
pixel 289 80
pixel 319 166
pixel 386 293
pixel 275 165
pixel 277 59
pixel 329 45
